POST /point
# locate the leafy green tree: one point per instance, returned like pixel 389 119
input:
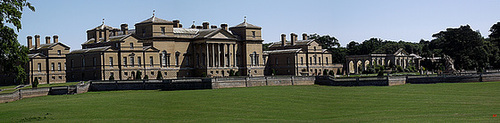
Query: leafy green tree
pixel 138 75
pixel 464 45
pixel 326 41
pixel 14 56
pixel 265 46
pixel 159 76
pixel 35 83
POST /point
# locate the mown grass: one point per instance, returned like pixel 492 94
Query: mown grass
pixel 449 102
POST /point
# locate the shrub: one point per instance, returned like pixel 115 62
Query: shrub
pixel 331 73
pixel 325 72
pixel 111 78
pixel 159 76
pixel 231 72
pixel 35 83
pixel 146 77
pixel 399 68
pixel 274 72
pixel 380 73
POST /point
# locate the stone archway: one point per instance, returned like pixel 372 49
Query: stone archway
pixel 359 65
pixel 366 64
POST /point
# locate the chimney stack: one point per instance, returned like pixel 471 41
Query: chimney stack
pixel 293 38
pixel 56 38
pixel 205 25
pixel 37 41
pixel 30 42
pixel 304 36
pixel 213 27
pixel 176 23
pixel 199 27
pixel 124 28
pixel 47 39
pixel 283 40
pixel 223 26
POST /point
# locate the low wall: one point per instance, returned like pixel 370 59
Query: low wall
pixel 231 82
pixel 455 78
pixel 373 81
pixel 44 91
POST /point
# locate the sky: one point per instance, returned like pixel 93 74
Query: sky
pixel 347 20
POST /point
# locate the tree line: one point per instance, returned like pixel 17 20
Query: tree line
pixel 469 49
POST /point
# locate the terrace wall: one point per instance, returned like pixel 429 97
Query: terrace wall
pixel 231 82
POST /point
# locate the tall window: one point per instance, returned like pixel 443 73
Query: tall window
pixel 132 61
pixel 139 61
pixel 287 60
pixel 320 62
pixel 276 61
pixel 326 60
pixel 94 61
pixel 143 32
pixel 111 61
pixel 151 61
pixel 253 34
pixel 164 58
pixel 65 66
pixel 59 66
pixel 39 67
pixel 310 61
pixel 177 58
pixel 315 61
pixel 83 62
pixel 125 61
pixel 52 66
pixel 301 60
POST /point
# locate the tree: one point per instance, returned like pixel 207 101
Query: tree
pixel 265 46
pixel 14 56
pixel 34 84
pixel 159 76
pixel 138 75
pixel 464 45
pixel 495 33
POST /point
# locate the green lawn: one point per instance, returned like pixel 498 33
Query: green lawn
pixel 449 102
pixel 10 89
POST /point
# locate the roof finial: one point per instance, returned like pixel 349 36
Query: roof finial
pixel 193 22
pixel 153 12
pixel 103 21
pixel 245 20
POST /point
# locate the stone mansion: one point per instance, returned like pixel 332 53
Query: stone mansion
pixel 157 46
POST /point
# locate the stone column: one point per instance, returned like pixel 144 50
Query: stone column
pixel 213 55
pixel 234 55
pixel 206 62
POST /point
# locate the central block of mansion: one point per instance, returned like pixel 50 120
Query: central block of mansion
pixel 159 46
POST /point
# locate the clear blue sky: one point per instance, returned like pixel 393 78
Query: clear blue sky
pixel 347 20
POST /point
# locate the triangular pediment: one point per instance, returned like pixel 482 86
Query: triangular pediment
pixel 221 34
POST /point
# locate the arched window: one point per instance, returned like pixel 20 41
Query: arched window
pixel 177 54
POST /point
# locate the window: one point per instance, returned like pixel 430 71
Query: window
pixel 125 73
pixel 52 66
pixel 65 66
pixel 187 59
pixel 287 60
pixel 253 34
pixel 163 30
pixel 111 61
pixel 59 66
pixel 310 61
pixel 72 63
pixel 94 61
pixel 314 48
pixel 125 61
pixel 276 61
pixel 39 67
pixel 117 45
pixel 83 62
pixel 59 52
pixel 112 74
pixel 139 61
pixel 326 60
pixel 320 62
pixel 132 61
pixel 151 61
pixel 264 59
pixel 177 58
pixel 301 60
pixel 131 45
pixel 60 77
pixel 315 61
pixel 164 58
pixel 143 32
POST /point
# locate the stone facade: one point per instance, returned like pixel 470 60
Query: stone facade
pixel 47 62
pixel 355 64
pixel 158 46
pixel 298 57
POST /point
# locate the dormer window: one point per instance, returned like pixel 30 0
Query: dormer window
pixel 163 30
